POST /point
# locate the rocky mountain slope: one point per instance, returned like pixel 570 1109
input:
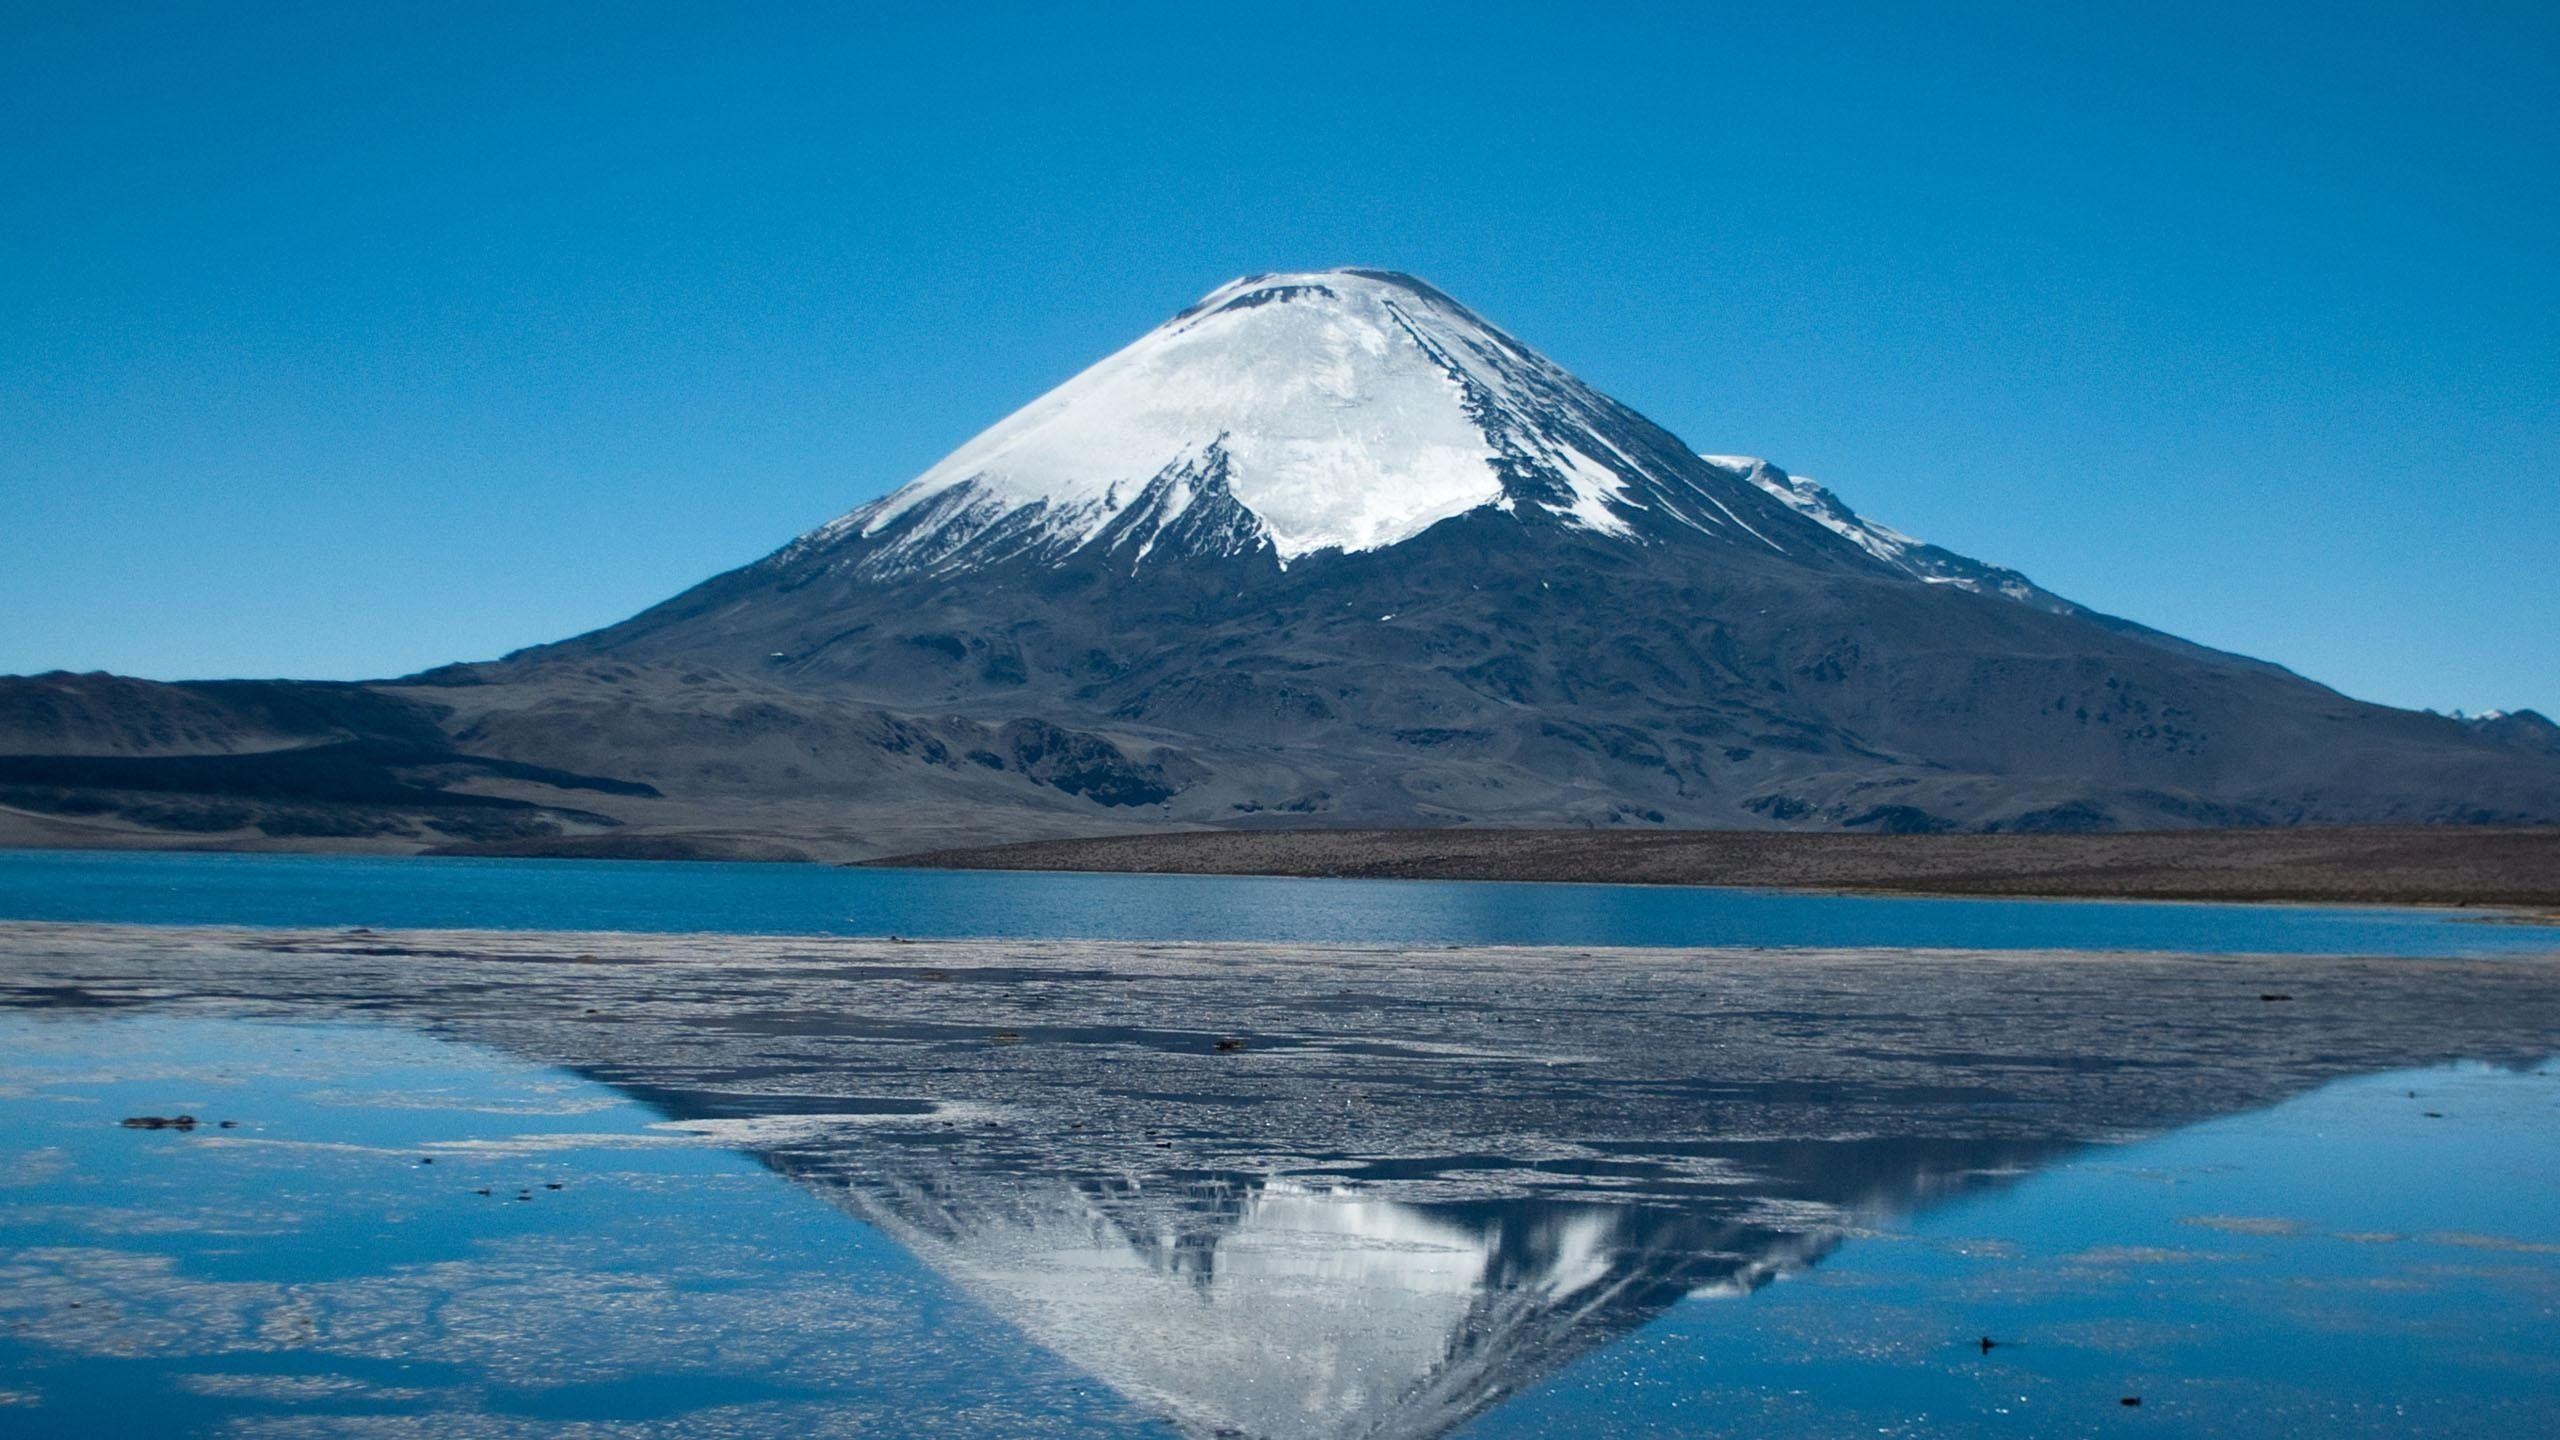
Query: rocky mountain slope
pixel 1324 549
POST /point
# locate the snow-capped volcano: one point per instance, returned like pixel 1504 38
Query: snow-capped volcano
pixel 1327 548
pixel 1344 410
pixel 1324 549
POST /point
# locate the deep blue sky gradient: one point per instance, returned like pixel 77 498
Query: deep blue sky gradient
pixel 346 340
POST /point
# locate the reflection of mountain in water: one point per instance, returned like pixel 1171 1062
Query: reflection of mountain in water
pixel 1425 1179
pixel 1253 1307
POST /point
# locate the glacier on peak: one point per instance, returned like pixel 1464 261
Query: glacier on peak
pixel 1345 410
pixel 1335 428
pixel 1342 409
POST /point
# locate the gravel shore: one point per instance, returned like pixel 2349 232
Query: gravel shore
pixel 2517 868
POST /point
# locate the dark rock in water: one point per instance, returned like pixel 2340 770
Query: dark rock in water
pixel 2130 1400
pixel 158 1122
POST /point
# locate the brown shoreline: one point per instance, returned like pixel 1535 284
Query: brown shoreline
pixel 2505 868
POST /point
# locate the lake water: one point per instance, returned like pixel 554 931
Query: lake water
pixel 687 1182
pixel 570 1256
pixel 306 1264
pixel 306 890
pixel 2347 1264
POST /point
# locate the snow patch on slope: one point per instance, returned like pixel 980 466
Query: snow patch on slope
pixel 1907 553
pixel 1820 506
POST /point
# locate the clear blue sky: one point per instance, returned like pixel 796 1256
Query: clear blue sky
pixel 347 340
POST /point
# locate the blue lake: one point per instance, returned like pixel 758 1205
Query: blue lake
pixel 307 1264
pixel 801 1189
pixel 2343 1265
pixel 304 890
pixel 571 1257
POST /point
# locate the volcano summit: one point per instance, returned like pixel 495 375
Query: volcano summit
pixel 1323 549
